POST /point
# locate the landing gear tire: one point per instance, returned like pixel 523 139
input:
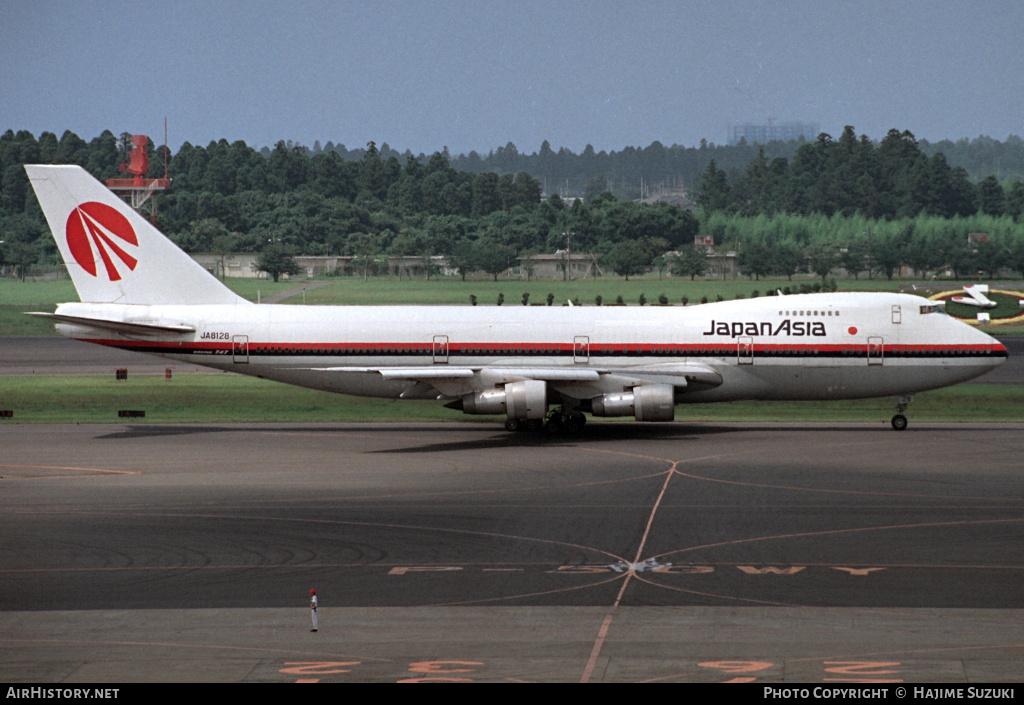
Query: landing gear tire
pixel 569 424
pixel 573 423
pixel 553 426
pixel 899 421
pixel 513 425
pixel 534 424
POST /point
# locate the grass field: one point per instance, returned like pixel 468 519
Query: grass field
pixel 227 398
pixel 352 290
pixel 17 297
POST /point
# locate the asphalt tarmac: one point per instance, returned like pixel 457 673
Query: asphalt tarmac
pixel 49 355
pixel 664 552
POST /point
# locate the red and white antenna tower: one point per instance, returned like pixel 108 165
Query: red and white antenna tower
pixel 138 189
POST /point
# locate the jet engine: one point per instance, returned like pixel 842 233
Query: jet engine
pixel 650 402
pixel 518 400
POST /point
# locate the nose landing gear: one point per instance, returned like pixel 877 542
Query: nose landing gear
pixel 899 421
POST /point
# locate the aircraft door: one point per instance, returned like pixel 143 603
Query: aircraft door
pixel 896 314
pixel 876 351
pixel 440 349
pixel 581 349
pixel 240 349
pixel 745 351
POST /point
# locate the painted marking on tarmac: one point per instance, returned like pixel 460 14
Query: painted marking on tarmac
pixel 770 570
pixel 862 671
pixel 606 623
pixel 441 671
pixel 733 671
pixel 649 564
pixel 738 667
pixel 103 471
pixel 856 571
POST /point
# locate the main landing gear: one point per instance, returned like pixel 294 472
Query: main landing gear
pixel 558 423
pixel 567 423
pixel 899 421
pixel 524 424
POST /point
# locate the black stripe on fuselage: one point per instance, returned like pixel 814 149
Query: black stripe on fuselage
pixel 598 351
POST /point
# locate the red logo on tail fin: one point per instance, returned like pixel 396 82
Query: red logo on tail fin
pixel 89 230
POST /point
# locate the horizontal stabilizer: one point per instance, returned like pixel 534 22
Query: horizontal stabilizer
pixel 133 328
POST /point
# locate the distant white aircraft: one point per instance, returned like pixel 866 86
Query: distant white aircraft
pixel 140 292
pixel 976 296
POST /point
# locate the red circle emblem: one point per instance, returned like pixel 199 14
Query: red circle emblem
pixel 852 330
pixel 93 232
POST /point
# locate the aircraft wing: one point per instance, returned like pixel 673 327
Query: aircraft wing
pixel 576 382
pixel 691 375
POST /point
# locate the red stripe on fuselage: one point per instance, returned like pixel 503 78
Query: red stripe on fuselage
pixel 511 348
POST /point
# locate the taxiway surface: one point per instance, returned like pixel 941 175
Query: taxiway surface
pixel 679 552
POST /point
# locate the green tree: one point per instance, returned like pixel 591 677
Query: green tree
pixel 1015 257
pixel 462 257
pixel 224 246
pixel 853 257
pixel 492 257
pixel 691 262
pixel 713 188
pixel 277 260
pixel 366 247
pixel 990 257
pixel 787 258
pixel 1015 201
pixel 627 258
pixel 822 258
pixel 403 244
pixel 991 196
pixel 754 260
pixel 596 185
pixel 886 255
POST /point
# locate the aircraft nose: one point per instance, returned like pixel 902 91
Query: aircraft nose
pixel 997 352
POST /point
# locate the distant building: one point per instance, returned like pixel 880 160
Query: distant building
pixel 551 266
pixel 567 201
pixel 236 265
pixel 674 197
pixel 771 131
pixel 243 265
pixel 720 264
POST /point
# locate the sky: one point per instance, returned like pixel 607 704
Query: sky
pixel 478 74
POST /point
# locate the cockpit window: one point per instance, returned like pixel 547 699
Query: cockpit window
pixel 931 308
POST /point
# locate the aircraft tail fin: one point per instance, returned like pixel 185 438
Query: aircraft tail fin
pixel 112 253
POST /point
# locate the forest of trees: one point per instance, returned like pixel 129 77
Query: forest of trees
pixel 657 166
pixel 869 207
pixel 848 176
pixel 231 198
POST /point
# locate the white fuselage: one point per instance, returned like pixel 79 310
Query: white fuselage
pixel 813 346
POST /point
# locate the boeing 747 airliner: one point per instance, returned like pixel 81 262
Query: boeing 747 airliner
pixel 140 292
